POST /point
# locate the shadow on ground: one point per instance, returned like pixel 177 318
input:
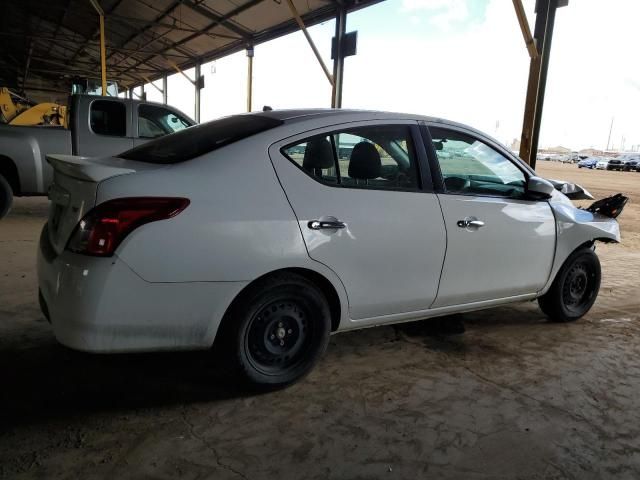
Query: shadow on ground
pixel 44 380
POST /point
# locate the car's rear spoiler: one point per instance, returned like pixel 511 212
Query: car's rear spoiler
pixel 95 170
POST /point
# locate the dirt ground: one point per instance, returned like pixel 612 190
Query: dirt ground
pixel 512 397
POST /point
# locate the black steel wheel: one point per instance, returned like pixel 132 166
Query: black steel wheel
pixel 6 196
pixel 275 332
pixel 278 336
pixel 575 288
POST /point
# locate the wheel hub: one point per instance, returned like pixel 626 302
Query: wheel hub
pixel 277 334
pixel 576 288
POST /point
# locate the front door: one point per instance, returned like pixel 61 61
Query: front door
pixel 499 244
pixel 365 212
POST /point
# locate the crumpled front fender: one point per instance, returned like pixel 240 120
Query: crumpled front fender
pixel 574 228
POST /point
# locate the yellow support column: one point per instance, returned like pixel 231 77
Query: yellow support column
pixel 103 57
pixel 103 53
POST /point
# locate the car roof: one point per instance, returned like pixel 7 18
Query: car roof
pixel 337 114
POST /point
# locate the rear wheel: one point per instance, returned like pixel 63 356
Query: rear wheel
pixel 6 197
pixel 277 331
pixel 574 289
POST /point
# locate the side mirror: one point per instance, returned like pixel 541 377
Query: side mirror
pixel 539 188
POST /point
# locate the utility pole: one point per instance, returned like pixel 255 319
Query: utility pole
pixel 609 139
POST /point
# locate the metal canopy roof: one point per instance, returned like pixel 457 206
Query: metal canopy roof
pixel 43 43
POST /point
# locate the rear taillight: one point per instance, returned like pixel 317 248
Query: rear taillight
pixel 102 229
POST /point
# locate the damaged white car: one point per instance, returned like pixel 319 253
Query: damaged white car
pixel 263 233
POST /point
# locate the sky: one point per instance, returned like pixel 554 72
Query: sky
pixel 464 60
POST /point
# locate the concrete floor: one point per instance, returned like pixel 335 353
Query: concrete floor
pixel 513 397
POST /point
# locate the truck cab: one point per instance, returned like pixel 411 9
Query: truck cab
pixel 97 126
pixel 108 125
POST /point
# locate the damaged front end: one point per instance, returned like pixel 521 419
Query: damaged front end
pixel 609 207
pixel 571 190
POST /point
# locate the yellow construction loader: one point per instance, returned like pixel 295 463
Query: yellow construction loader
pixel 17 110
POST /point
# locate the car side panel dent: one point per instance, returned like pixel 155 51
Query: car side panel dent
pixel 575 227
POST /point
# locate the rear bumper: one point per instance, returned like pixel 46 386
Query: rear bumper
pixel 101 305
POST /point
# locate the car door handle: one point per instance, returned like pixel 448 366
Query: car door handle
pixel 325 224
pixel 470 223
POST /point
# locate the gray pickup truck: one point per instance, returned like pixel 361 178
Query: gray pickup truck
pixel 98 126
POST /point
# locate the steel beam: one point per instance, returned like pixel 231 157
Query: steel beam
pixel 524 27
pixel 227 16
pixel 338 61
pixel 197 7
pixel 103 58
pixel 298 18
pixel 536 86
pixel 250 54
pixel 164 89
pixel 196 85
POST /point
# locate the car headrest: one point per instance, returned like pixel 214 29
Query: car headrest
pixel 365 162
pixel 318 154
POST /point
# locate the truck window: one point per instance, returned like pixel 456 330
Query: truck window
pixel 109 118
pixel 156 121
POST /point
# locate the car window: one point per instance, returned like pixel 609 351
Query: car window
pixel 200 139
pixel 471 167
pixel 378 157
pixel 154 121
pixel 108 118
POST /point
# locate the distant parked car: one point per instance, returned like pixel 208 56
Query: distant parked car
pixel 616 164
pixel 631 165
pixel 602 163
pixel 631 161
pixel 590 162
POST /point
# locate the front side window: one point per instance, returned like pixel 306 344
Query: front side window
pixel 471 167
pixel 156 121
pixel 109 118
pixel 378 157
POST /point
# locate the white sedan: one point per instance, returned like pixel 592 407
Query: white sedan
pixel 263 233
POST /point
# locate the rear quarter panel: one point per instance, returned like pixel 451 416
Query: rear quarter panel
pixel 238 226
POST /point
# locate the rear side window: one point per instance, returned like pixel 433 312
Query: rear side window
pixel 195 141
pixel 109 118
pixel 376 157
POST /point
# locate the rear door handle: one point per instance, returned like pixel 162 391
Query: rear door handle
pixel 325 224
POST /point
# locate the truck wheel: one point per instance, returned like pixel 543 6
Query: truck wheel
pixel 275 333
pixel 575 288
pixel 6 197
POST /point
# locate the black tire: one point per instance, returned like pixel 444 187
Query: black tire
pixel 275 333
pixel 575 288
pixel 6 197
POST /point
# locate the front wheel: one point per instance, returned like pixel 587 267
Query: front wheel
pixel 575 288
pixel 277 331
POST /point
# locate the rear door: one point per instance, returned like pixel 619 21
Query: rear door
pixel 499 244
pixel 366 211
